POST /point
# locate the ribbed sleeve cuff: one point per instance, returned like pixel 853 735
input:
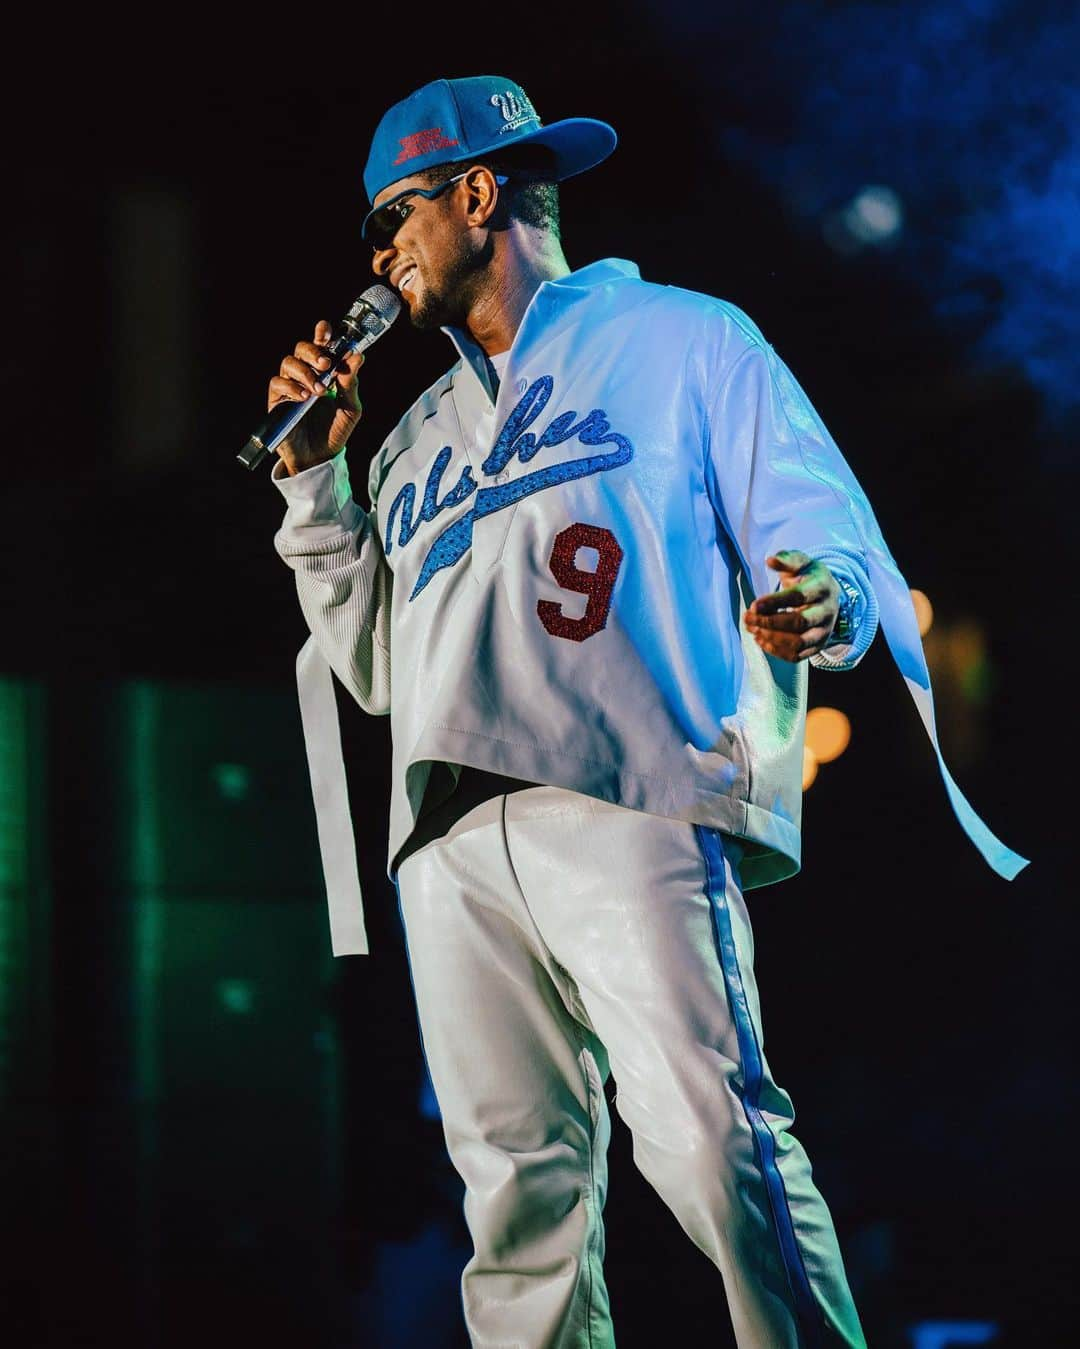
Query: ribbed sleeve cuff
pixel 319 500
pixel 850 570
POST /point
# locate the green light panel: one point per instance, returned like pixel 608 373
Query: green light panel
pixel 24 901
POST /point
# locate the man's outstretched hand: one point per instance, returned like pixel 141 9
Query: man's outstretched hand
pixel 795 622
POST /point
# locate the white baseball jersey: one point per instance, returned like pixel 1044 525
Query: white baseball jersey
pixel 550 582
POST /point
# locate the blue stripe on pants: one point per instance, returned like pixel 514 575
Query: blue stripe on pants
pixel 806 1310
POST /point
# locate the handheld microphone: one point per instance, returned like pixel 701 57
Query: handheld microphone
pixel 370 316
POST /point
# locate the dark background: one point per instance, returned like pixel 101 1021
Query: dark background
pixel 211 1129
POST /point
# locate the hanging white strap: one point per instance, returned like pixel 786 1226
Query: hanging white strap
pixel 901 629
pixel 330 793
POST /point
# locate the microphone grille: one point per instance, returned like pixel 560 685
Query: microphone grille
pixel 383 300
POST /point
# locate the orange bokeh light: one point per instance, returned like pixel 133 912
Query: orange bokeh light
pixel 924 611
pixel 828 733
pixel 809 767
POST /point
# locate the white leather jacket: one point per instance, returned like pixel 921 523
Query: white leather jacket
pixel 549 585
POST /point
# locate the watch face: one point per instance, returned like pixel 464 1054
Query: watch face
pixel 842 628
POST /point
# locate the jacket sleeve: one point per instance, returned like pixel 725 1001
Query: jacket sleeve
pixel 778 481
pixel 343 580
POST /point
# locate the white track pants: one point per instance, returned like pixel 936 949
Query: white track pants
pixel 550 934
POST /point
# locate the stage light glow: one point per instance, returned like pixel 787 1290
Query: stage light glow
pixel 233 780
pixel 912 94
pixel 236 996
pixel 971 660
pixel 828 733
pixel 809 767
pixel 872 218
pixel 939 1334
pixel 924 611
pixel 874 215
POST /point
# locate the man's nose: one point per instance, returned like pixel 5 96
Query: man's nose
pixel 382 260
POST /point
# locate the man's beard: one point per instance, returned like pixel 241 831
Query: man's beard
pixel 450 305
pixel 434 310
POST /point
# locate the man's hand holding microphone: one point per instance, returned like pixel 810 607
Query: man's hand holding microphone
pixel 332 420
pixel 319 379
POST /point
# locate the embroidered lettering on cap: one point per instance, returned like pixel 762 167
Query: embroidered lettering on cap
pixel 422 143
pixel 515 111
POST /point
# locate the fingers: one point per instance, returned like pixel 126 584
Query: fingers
pixel 816 583
pixel 794 635
pixel 305 375
pixel 797 640
pixel 789 560
pixel 793 647
pixel 793 620
pixel 784 599
pixel 794 624
pixel 299 375
pixel 309 371
pixel 346 378
pixel 282 390
pixel 312 355
pixel 306 372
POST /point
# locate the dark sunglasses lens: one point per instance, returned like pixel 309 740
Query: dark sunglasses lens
pixel 380 231
pixel 386 222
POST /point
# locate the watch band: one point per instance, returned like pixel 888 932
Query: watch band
pixel 844 628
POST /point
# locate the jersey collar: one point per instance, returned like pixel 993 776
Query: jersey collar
pixel 553 302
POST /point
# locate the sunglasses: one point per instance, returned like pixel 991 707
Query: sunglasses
pixel 382 224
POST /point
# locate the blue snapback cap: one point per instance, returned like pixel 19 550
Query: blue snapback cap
pixel 449 120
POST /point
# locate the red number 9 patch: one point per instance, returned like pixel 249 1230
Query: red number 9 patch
pixel 597 584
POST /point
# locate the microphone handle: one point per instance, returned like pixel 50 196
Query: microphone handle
pixel 282 418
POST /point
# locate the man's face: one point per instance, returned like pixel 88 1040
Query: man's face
pixel 434 258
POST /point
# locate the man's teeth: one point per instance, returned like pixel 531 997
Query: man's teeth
pixel 406 278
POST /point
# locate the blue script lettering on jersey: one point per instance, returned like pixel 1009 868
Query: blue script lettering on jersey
pixel 515 439
pixel 405 501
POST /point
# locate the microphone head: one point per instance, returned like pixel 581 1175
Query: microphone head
pixel 380 301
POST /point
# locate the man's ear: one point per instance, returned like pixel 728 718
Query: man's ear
pixel 483 195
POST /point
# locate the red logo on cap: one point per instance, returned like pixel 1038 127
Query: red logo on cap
pixel 422 143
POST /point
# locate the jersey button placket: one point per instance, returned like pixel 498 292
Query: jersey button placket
pixel 489 531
